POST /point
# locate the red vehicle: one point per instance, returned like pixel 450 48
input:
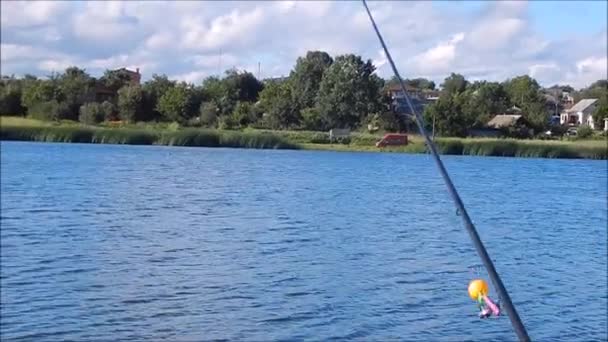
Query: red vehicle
pixel 392 139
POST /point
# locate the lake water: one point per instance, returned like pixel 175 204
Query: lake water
pixel 107 242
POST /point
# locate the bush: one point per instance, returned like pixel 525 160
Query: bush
pixel 49 110
pixel 227 122
pixel 91 113
pixel 584 132
pixel 208 114
pixel 108 110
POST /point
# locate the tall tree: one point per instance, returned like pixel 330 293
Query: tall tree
pixel 77 87
pixel 130 103
pixel 115 79
pixel 153 90
pixel 306 77
pixel 483 100
pixel 349 92
pixel 177 104
pixel 276 102
pixel 524 92
pixel 454 84
pixel 11 90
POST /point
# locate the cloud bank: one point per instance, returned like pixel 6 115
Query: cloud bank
pixel 191 40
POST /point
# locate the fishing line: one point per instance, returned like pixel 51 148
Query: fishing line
pixel 516 322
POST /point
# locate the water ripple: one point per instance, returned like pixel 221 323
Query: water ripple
pixel 102 242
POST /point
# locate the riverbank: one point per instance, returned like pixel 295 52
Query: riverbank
pixel 33 130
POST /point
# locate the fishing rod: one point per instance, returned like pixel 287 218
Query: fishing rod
pixel 516 322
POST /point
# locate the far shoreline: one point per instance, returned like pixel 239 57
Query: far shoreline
pixel 27 130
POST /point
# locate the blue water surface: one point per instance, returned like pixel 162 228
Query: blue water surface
pixel 108 242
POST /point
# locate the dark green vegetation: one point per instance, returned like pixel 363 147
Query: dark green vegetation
pixel 34 130
pixel 320 93
pixel 186 137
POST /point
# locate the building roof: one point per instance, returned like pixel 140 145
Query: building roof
pixel 504 120
pixel 581 105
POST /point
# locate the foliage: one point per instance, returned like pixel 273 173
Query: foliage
pixel 11 90
pixel 306 77
pixel 77 87
pixel 277 105
pixel 208 114
pixel 153 90
pixel 116 79
pixel 130 103
pixel 51 110
pixel 178 103
pixel 583 132
pixel 243 114
pixel 91 113
pixel 482 100
pixel 454 84
pixel 418 83
pixel 348 93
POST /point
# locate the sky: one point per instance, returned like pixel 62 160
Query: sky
pixel 561 42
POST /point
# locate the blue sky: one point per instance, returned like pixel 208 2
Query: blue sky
pixel 553 41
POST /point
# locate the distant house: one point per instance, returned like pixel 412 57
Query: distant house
pixel 399 103
pixel 566 100
pixel 580 114
pixel 504 124
pixel 505 121
pixel 134 76
pixel 104 93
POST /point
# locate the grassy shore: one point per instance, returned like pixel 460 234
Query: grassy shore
pixel 12 128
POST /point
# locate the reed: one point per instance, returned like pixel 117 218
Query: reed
pixel 187 137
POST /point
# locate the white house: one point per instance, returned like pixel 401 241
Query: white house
pixel 580 113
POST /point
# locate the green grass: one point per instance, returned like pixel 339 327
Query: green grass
pixel 142 136
pixel 12 128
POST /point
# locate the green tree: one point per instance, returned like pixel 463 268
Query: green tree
pixel 48 110
pixel 349 92
pixel 278 107
pixel 177 104
pixel 11 90
pixel 77 88
pixel 524 92
pixel 483 100
pixel 91 113
pixel 130 103
pixel 115 79
pixel 448 114
pixel 454 84
pixel 43 99
pixel 306 77
pixel 208 114
pixel 418 83
pixel 311 119
pixel 153 90
pixel 244 114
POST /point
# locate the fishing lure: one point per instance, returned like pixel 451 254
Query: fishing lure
pixel 478 291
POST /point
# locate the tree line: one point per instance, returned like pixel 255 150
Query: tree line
pixel 320 93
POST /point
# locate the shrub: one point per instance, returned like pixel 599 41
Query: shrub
pixel 91 113
pixel 584 132
pixel 49 110
pixel 208 114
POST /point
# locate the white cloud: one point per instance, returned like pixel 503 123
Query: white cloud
pixel 439 58
pixel 160 40
pixel 30 13
pixel 191 77
pixel 494 41
pixel 223 31
pixel 104 21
